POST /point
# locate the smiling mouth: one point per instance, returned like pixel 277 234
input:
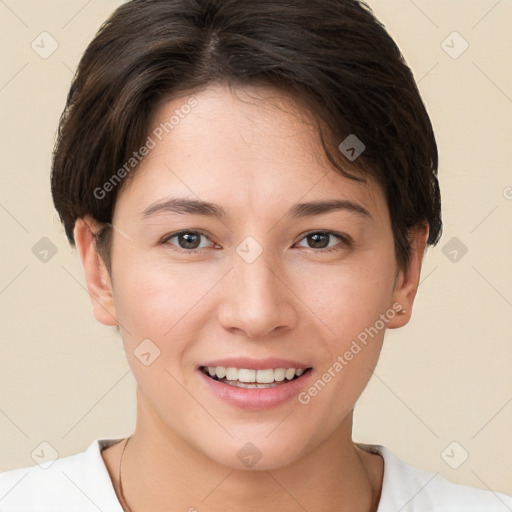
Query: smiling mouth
pixel 253 379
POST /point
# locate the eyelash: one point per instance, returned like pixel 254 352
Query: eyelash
pixel 345 240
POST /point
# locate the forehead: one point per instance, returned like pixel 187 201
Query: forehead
pixel 243 148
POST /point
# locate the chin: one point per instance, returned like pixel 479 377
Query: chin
pixel 258 452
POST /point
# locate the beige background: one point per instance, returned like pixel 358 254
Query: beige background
pixel 445 377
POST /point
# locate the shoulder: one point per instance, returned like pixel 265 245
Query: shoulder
pixel 409 489
pixel 77 482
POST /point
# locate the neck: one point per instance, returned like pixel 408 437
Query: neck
pixel 160 471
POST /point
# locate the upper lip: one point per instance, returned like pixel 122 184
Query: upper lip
pixel 256 364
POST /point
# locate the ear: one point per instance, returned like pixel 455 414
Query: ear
pixel 97 277
pixel 407 281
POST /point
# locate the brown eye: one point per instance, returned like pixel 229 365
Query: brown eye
pixel 188 241
pixel 325 241
pixel 318 240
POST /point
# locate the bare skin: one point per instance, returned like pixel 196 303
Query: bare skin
pixel 256 155
pixel 373 466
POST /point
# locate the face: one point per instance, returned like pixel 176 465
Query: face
pixel 255 282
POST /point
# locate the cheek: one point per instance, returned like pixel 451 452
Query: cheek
pixel 167 304
pixel 151 294
pixel 156 306
pixel 352 305
pixel 349 296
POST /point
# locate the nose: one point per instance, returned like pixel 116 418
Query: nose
pixel 256 299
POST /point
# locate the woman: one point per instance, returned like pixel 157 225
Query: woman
pixel 251 186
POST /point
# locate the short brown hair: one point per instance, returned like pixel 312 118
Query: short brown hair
pixel 334 56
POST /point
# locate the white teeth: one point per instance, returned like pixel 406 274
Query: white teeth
pixel 246 375
pixel 231 374
pixel 279 374
pixel 252 385
pixel 290 373
pixel 266 376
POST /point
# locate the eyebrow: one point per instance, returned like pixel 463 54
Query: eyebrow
pixel 197 207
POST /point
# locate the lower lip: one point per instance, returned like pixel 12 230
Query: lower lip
pixel 257 399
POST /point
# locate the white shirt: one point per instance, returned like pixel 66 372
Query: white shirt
pixel 81 483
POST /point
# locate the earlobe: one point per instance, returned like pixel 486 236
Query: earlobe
pixel 407 281
pixel 97 277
